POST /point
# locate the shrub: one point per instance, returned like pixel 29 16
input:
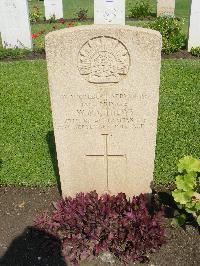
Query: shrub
pixel 195 51
pixel 140 9
pixel 173 38
pixel 187 192
pixel 35 14
pixel 52 19
pixel 88 225
pixel 82 14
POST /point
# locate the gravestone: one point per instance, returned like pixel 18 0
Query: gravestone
pixel 53 7
pixel 109 12
pixel 165 8
pixel 0 23
pixel 194 28
pixel 104 87
pixel 15 25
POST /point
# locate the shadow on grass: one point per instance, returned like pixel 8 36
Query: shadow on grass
pixel 33 247
pixel 52 150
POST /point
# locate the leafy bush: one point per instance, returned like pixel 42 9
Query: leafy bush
pixel 187 192
pixel 82 14
pixel 35 14
pixel 52 19
pixel 195 51
pixel 140 9
pixel 173 38
pixel 88 225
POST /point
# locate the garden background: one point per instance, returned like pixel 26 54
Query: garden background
pixel 28 151
pixel 29 173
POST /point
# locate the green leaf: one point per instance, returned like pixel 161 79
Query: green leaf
pixel 189 164
pixel 182 197
pixel 179 221
pixel 197 206
pixel 198 220
pixel 186 182
pixel 190 207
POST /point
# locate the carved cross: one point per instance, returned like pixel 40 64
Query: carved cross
pixel 106 156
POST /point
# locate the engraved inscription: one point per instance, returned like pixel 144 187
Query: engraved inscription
pixel 92 111
pixel 103 60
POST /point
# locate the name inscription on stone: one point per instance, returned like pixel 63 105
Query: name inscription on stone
pixel 105 112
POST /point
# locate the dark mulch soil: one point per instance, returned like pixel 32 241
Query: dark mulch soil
pixel 21 244
pixel 30 56
pixel 183 54
pixel 152 17
pixel 43 21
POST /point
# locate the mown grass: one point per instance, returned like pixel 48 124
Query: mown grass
pixel 27 126
pixel 179 116
pixel 26 123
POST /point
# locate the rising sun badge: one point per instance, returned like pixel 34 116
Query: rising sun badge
pixel 103 60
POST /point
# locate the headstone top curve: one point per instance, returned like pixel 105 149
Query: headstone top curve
pixel 103 28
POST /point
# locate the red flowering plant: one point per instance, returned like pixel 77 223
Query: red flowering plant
pixel 39 40
pixel 69 24
pixel 88 225
pixel 34 35
pixel 62 21
pixel 37 34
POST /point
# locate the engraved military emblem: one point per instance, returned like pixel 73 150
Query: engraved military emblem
pixel 109 14
pixel 103 60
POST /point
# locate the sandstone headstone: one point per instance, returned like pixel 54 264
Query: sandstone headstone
pixel 15 25
pixel 104 87
pixel 109 12
pixel 194 29
pixel 165 7
pixel 53 7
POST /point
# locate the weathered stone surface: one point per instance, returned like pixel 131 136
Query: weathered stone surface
pixel 104 86
pixel 194 29
pixel 14 24
pixel 53 7
pixel 165 7
pixel 109 12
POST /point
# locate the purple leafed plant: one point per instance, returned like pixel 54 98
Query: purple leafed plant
pixel 88 225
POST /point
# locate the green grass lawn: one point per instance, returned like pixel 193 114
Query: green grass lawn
pixel 27 126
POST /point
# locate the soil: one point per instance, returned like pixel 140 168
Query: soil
pixel 30 56
pixel 151 17
pixel 182 54
pixel 22 245
pixel 43 21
